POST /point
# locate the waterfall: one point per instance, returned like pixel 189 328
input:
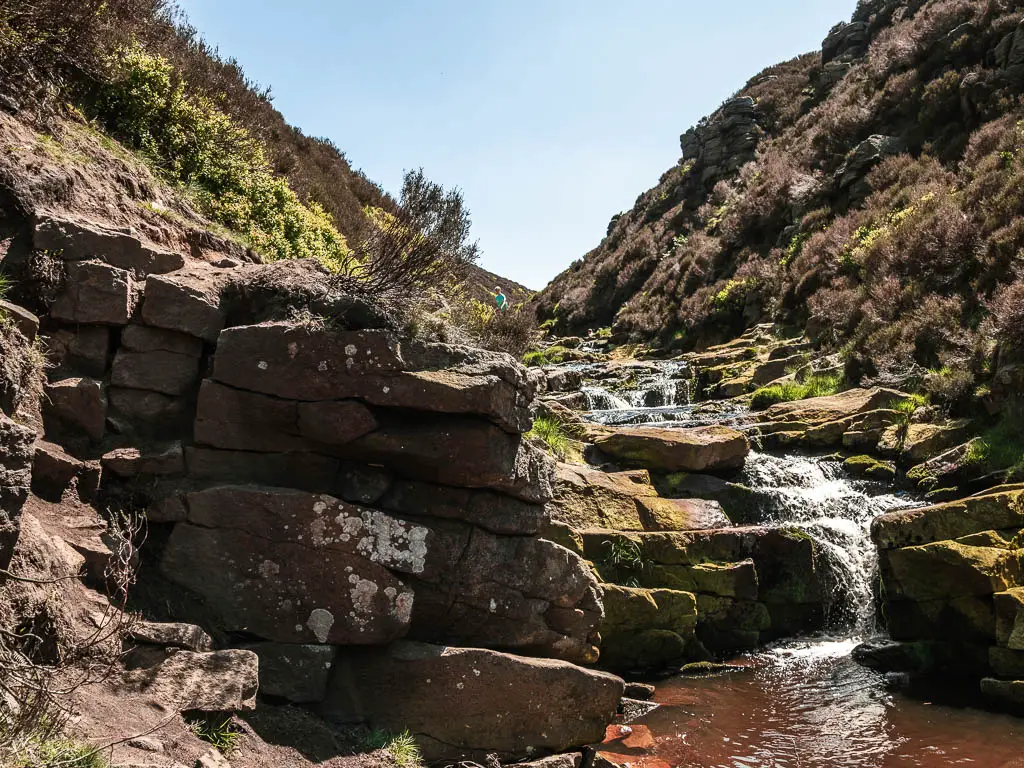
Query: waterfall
pixel 815 495
pixel 600 399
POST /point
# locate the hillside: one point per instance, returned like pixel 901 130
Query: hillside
pixel 869 193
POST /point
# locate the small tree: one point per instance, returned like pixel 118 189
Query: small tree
pixel 423 242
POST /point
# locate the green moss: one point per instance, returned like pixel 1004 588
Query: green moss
pixel 549 356
pixel 870 467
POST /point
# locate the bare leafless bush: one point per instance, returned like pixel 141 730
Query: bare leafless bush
pixel 1008 314
pixel 423 242
pixel 43 661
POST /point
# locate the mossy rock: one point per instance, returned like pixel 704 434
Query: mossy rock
pixel 870 467
pixel 635 609
pixel 639 651
pixel 708 668
pixel 945 570
pixel 735 580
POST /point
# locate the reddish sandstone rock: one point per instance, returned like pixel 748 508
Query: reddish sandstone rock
pixel 96 293
pixel 701 449
pixel 491 699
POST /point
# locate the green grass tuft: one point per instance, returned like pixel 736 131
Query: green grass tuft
pixel 1001 448
pixel 38 752
pixel 402 747
pixel 222 734
pixel 817 385
pixel 551 432
pixel 624 562
pixel 549 356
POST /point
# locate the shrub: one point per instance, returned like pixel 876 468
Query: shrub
pixel 949 387
pixel 51 752
pixel 510 331
pixel 423 242
pixel 193 143
pixel 549 356
pixel 1008 314
pixel 402 747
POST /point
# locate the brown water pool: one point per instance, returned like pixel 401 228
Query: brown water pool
pixel 808 705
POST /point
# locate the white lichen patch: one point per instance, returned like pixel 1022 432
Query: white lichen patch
pixel 322 367
pixel 320 622
pixel 262 365
pixel 370 533
pixel 268 569
pixel 351 350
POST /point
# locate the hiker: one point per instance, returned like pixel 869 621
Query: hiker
pixel 500 299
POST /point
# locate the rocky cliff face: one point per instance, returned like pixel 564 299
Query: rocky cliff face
pixel 318 483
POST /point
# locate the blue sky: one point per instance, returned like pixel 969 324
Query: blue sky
pixel 550 115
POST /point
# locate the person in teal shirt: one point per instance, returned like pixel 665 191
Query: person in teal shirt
pixel 500 298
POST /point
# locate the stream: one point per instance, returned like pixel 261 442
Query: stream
pixel 803 702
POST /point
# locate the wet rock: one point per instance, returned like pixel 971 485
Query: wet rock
pixel 708 668
pixel 222 681
pixel 645 629
pixel 570 760
pixel 947 569
pixel 299 673
pixel 871 468
pixel 79 404
pixel 658 514
pixel 490 697
pixel 995 511
pixel 701 449
pixel 80 240
pixel 639 691
pixel 95 293
pixel 1003 691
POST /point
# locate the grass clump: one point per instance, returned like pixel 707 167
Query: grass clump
pixel 217 162
pixel 623 563
pixel 402 747
pixel 221 733
pixel 1001 448
pixel 46 752
pixel 817 385
pixel 549 356
pixel 552 433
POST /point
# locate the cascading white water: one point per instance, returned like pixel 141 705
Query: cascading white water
pixel 815 495
pixel 600 399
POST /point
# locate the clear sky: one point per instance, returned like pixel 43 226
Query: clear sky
pixel 550 115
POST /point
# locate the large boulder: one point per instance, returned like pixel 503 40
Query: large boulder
pixel 219 681
pixel 948 569
pixel 952 520
pixel 626 501
pixel 78 405
pixel 278 359
pixel 494 703
pixel 700 449
pixel 297 567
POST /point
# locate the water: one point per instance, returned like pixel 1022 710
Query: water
pixel 804 703
pixel 816 495
pixel 807 704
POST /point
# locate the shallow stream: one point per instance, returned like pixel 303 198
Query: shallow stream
pixel 805 703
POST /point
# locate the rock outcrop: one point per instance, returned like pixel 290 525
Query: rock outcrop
pixel 952 580
pixel 699 449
